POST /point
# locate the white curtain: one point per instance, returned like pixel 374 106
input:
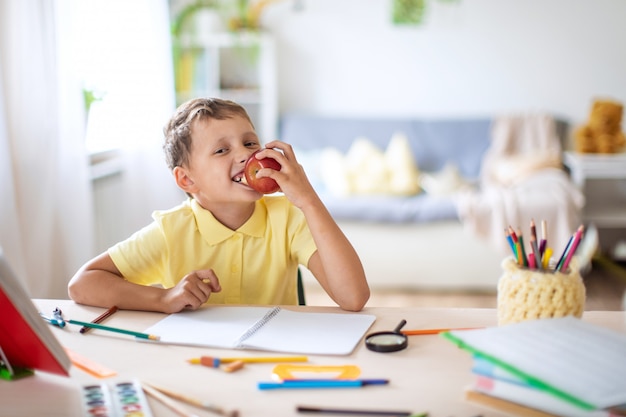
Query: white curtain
pixel 129 62
pixel 45 208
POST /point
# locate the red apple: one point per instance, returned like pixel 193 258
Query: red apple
pixel 263 185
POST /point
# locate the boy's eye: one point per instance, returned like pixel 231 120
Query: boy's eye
pixel 221 150
pixel 252 144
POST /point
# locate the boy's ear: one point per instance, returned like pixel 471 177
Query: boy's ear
pixel 183 180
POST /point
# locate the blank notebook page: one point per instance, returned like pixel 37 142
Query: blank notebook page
pixel 582 359
pixel 265 328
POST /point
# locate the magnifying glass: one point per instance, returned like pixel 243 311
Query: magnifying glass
pixel 392 341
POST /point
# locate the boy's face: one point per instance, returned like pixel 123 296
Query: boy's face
pixel 219 150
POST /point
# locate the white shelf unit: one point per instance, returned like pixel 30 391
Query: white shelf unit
pixel 602 178
pixel 239 66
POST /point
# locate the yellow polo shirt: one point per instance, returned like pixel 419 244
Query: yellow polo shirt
pixel 256 264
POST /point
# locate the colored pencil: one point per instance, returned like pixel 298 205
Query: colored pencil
pixel 193 401
pixel 321 383
pixel 389 413
pixel 572 250
pixel 434 331
pixel 114 329
pixel 518 249
pixel 166 401
pixel 544 237
pixel 533 229
pixel 560 261
pixel 100 318
pixel 535 252
pixel 511 243
pixel 546 258
pixel 247 359
pixel 520 239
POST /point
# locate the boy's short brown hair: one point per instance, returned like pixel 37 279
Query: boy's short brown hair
pixel 177 146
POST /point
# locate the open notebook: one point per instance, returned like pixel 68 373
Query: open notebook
pixel 265 328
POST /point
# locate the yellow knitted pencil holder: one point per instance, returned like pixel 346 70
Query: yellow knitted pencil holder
pixel 525 294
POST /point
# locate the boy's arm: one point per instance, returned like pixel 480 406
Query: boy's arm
pixel 100 283
pixel 335 264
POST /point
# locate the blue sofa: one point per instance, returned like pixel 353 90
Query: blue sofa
pixel 414 242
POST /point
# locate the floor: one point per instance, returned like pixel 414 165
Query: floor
pixel 605 286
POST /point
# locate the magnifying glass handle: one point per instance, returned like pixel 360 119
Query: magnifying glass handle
pixel 399 326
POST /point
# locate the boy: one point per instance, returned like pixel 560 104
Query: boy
pixel 227 243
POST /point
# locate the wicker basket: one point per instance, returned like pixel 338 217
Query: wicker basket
pixel 525 294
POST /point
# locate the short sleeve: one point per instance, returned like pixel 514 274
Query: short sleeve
pixel 142 258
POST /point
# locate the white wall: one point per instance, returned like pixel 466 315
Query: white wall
pixel 473 57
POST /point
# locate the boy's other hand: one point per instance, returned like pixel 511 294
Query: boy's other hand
pixel 192 291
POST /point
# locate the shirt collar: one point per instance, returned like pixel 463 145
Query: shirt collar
pixel 214 232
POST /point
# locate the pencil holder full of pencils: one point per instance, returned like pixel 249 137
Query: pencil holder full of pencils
pixel 526 293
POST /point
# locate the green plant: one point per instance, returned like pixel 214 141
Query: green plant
pixel 411 12
pixel 90 97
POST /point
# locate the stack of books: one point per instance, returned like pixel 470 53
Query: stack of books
pixel 547 367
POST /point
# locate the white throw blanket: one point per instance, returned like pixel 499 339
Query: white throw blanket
pixel 521 179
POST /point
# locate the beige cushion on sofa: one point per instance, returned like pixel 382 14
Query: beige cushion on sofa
pixel 367 170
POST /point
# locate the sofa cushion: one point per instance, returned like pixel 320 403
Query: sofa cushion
pixel 367 170
pixel 434 143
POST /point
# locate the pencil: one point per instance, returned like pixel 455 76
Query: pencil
pixel 193 401
pixel 163 399
pixel 533 229
pixel 558 264
pixel 511 244
pixel 520 239
pixel 544 237
pixel 518 249
pixel 535 251
pixel 114 329
pixel 247 359
pixel 434 331
pixel 320 383
pixel 391 413
pixel 575 243
pixel 100 318
pixel 546 258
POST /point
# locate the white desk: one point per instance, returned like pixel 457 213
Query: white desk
pixel 428 376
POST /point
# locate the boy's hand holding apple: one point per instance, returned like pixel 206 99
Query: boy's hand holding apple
pixel 264 185
pixel 290 177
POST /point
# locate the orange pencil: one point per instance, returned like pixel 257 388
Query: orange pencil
pixel 433 331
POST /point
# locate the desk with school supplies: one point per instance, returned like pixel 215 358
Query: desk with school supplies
pixel 430 375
